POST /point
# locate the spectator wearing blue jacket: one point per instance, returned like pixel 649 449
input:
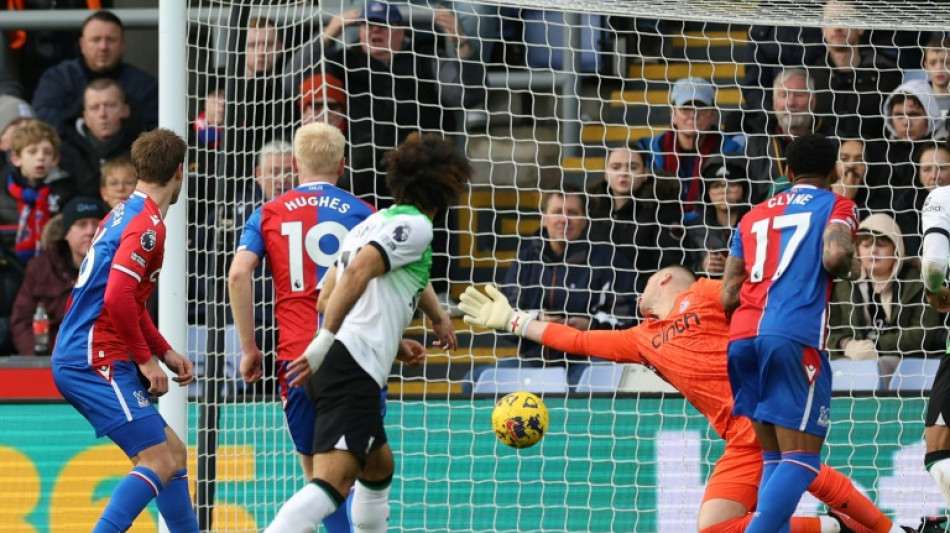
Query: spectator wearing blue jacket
pixel 694 137
pixel 560 276
pixel 59 93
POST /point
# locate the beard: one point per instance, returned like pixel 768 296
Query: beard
pixel 790 121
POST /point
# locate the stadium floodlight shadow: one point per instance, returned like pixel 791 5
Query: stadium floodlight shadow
pixel 915 375
pixel 600 379
pixel 551 380
pixel 848 375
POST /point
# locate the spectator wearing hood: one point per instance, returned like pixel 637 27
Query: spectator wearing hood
pixel 104 131
pixel 635 210
pixel 882 315
pixel 727 199
pixel 694 136
pixel 50 275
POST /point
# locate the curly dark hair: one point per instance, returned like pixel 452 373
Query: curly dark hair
pixel 812 154
pixel 426 171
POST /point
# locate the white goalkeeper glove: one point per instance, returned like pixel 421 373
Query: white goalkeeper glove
pixel 492 311
pixel 317 350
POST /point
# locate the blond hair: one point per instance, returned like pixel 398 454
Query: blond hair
pixel 318 148
pixel 122 162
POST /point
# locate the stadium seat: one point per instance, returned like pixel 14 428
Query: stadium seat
pixel 537 380
pixel 915 374
pixel 600 378
pixel 848 375
pixel 638 378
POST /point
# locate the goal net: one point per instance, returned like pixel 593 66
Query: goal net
pixel 654 124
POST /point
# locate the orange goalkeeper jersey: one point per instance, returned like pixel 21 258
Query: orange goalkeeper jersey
pixel 686 349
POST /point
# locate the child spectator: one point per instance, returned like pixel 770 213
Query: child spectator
pixel 937 66
pixel 33 188
pixel 117 180
pixel 13 113
pixel 50 275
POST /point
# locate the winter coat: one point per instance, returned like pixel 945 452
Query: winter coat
pixel 82 158
pixel 765 151
pixel 59 93
pixel 49 281
pixel 909 327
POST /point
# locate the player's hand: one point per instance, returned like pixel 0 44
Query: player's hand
pixel 492 311
pixel 860 350
pixel 445 332
pixel 181 366
pixel 939 300
pixel 158 380
pixel 411 352
pixel 252 367
pixel 307 364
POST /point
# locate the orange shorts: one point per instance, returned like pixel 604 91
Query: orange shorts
pixel 736 475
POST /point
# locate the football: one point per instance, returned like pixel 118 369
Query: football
pixel 520 419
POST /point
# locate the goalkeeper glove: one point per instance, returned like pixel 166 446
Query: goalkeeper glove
pixel 317 350
pixel 492 311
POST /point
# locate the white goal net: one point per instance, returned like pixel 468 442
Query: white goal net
pixel 685 108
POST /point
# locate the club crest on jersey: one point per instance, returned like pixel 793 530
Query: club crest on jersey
pixel 824 420
pixel 140 398
pixel 401 233
pixel 684 304
pixel 149 240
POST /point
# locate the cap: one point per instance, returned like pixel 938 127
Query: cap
pixel 381 12
pixel 687 90
pixel 718 167
pixel 13 109
pixel 83 207
pixel 328 87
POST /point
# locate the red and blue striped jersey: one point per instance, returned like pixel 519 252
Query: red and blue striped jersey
pixel 130 242
pixel 787 289
pixel 300 233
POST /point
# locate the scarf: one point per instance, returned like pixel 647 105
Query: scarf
pixel 33 209
pixel 707 144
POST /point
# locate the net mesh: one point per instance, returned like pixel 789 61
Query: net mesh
pixel 539 94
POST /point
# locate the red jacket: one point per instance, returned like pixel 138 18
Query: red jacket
pixel 49 280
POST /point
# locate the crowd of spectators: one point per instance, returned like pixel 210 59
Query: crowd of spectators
pixel 670 198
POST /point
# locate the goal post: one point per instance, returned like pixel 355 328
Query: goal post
pixel 550 89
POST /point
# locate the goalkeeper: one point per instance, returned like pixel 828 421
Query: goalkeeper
pixel 684 338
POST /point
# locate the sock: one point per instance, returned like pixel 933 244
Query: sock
pixel 371 506
pixel 784 489
pixel 175 505
pixel 797 524
pixel 128 499
pixel 304 510
pixel 938 464
pixel 837 492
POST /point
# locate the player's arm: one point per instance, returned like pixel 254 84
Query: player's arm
pixel 176 362
pixel 936 250
pixel 838 250
pixel 733 276
pixel 492 310
pixel 241 293
pixel 439 317
pixel 366 265
pixel 327 284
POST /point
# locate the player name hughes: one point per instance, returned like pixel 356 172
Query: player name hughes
pixel 789 199
pixel 321 200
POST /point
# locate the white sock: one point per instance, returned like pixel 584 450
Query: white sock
pixel 829 524
pixel 370 512
pixel 303 512
pixel 940 471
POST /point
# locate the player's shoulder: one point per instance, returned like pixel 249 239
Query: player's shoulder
pixel 938 200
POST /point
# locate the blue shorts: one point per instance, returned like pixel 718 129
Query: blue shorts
pixel 301 413
pixel 114 401
pixel 782 382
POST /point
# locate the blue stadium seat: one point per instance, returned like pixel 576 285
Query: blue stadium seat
pixel 848 375
pixel 537 380
pixel 915 374
pixel 600 378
